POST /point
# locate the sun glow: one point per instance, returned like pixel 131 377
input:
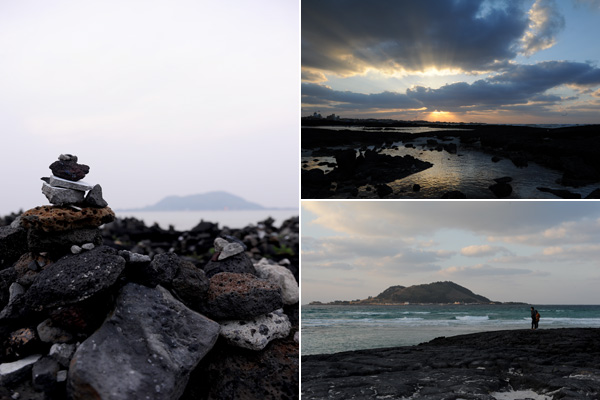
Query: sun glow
pixel 441 116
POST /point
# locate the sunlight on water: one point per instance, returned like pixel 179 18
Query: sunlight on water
pixel 469 171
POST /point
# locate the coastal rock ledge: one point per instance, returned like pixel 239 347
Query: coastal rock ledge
pixel 541 364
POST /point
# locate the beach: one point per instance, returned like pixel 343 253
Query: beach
pixel 509 364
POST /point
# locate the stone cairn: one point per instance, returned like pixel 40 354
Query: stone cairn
pixel 81 320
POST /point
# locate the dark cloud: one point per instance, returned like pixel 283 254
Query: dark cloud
pixel 519 85
pixel 348 36
pixel 315 94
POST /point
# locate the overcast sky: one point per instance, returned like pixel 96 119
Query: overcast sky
pixel 530 61
pixel 536 252
pixel 166 97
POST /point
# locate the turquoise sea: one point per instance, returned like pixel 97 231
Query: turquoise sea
pixel 331 329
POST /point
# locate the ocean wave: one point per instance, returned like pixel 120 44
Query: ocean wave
pixel 473 318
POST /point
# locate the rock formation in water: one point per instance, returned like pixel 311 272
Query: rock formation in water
pixel 80 319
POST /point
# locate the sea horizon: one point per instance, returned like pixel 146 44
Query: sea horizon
pixel 186 220
pixel 328 329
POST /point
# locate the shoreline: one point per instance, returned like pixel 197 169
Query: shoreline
pixel 550 362
pixel 568 151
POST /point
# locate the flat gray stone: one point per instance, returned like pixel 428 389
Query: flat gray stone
pixel 62 353
pixel 256 334
pixel 146 349
pixel 60 196
pixel 16 370
pixel 55 181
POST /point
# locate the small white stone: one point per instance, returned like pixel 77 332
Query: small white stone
pixel 231 249
pixel 88 246
pixel 75 249
pixel 282 277
pixel 257 333
pixel 61 376
pixel 219 244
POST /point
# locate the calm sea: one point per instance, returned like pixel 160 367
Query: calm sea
pixel 331 329
pixel 469 171
pixel 185 220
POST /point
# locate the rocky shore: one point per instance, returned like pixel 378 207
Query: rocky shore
pixel 523 364
pixel 92 306
pixel 569 150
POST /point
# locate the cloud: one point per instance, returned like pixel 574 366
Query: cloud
pixel 545 22
pixel 518 85
pixel 505 221
pixel 485 250
pixel 316 94
pixel 483 270
pixel 350 37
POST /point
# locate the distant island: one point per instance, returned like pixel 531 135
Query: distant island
pixel 432 293
pixel 218 200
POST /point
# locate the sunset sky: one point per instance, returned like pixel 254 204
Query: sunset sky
pixel 159 98
pixel 494 61
pixel 535 252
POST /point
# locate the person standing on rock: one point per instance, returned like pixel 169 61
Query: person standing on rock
pixel 533 318
pixel 537 318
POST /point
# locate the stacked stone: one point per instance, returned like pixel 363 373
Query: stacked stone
pixel 65 187
pixel 77 211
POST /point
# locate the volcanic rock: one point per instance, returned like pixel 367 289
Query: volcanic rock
pixel 562 193
pixel 44 374
pixel 239 263
pixel 69 170
pixel 74 278
pixel 561 363
pixel 94 198
pixel 54 218
pixel 255 334
pixel 383 190
pixel 190 284
pixel 13 243
pixel 229 372
pixel 454 194
pixel 60 242
pixel 501 189
pixel 281 277
pixel 145 349
pixel 240 296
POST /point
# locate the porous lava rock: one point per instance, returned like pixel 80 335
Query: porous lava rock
pixel 69 170
pixel 145 349
pixel 240 296
pixel 229 372
pixel 55 218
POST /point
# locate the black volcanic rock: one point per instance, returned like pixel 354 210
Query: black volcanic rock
pixel 75 278
pixel 562 363
pixel 69 170
pixel 239 263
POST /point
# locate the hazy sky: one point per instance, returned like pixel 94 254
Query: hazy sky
pixel 530 61
pixel 538 252
pixel 166 97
